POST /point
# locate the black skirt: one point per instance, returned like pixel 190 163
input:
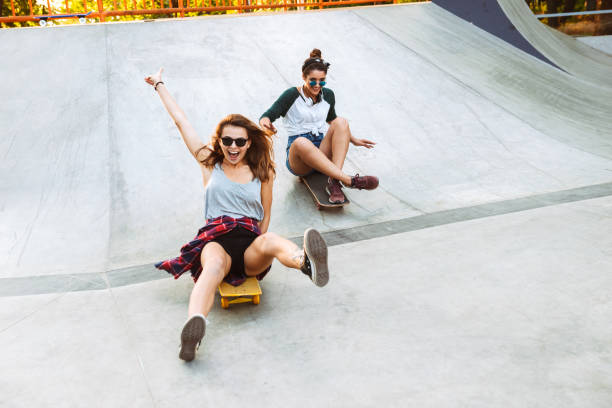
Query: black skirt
pixel 235 243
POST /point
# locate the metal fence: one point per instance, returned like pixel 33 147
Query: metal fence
pixel 107 10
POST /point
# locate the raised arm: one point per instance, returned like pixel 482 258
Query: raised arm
pixel 194 143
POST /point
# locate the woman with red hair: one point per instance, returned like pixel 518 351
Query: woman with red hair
pixel 238 174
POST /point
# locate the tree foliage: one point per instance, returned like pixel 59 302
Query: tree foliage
pixel 82 6
pixel 575 25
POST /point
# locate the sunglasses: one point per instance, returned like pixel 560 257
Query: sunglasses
pixel 313 82
pixel 228 141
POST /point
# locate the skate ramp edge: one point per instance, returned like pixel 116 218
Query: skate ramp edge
pixel 514 22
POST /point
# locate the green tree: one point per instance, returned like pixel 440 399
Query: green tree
pixel 605 21
pixel 22 8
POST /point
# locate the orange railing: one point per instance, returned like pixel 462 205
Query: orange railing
pixel 104 10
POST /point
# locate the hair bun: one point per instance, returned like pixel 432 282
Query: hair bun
pixel 315 53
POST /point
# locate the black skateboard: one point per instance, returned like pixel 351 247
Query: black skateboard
pixel 80 16
pixel 316 183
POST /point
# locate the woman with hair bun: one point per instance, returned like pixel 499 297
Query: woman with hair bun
pixel 238 174
pixel 318 138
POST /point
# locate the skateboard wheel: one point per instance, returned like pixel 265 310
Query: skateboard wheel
pixel 42 22
pixel 256 299
pixel 224 303
pixel 82 20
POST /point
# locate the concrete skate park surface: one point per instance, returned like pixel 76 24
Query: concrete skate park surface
pixel 476 275
pixel 513 21
pixel 601 42
pixel 573 56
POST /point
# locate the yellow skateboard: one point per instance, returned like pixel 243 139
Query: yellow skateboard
pixel 249 291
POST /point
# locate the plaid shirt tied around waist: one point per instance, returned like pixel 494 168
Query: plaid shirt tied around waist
pixel 189 259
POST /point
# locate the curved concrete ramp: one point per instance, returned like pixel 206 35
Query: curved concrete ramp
pixel 489 16
pixel 513 21
pixel 459 117
pixel 552 101
pixel 573 56
pixel 476 275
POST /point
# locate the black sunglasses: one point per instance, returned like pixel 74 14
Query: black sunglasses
pixel 227 141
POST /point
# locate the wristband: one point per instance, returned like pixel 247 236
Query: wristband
pixel 155 86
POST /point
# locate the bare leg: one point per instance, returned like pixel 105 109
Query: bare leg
pixel 335 144
pixel 305 156
pixel 260 254
pixel 216 264
pixel 262 251
pixel 329 159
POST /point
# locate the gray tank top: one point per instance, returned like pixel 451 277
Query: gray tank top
pixel 226 197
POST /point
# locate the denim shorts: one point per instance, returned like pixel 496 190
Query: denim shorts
pixel 315 139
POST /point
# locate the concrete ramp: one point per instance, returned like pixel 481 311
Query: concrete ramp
pixel 573 56
pixel 477 274
pixel 550 100
pixel 513 21
pixel 93 163
pixel 489 16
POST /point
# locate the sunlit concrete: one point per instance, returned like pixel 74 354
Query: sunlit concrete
pixel 505 311
pixel 98 179
pixel 501 308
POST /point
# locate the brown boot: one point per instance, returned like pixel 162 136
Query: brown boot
pixel 334 189
pixel 364 182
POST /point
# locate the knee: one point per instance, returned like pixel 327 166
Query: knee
pixel 213 264
pixel 340 124
pixel 213 273
pixel 302 144
pixel 268 241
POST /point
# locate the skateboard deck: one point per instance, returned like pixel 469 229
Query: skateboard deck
pixel 80 16
pixel 316 183
pixel 249 291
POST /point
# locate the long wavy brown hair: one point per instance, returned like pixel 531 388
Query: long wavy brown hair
pixel 259 156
